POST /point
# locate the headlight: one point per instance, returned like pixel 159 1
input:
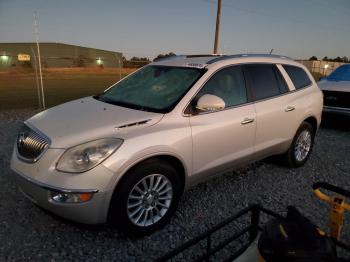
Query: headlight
pixel 83 157
pixel 70 197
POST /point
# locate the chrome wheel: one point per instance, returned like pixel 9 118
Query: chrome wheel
pixel 303 145
pixel 149 200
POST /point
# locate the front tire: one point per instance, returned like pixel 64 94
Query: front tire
pixel 301 147
pixel 146 198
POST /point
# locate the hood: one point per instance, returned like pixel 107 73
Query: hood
pixel 88 119
pixel 339 86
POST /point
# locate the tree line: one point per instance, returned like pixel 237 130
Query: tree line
pixel 141 61
pixel 343 59
pixel 136 62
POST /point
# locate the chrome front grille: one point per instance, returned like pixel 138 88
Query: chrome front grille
pixel 30 144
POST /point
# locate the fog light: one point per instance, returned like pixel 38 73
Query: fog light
pixel 70 197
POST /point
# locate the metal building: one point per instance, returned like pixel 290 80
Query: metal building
pixel 56 55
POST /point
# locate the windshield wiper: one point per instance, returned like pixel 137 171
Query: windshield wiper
pixel 124 104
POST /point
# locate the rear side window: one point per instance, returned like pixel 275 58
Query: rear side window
pixel 265 81
pixel 298 76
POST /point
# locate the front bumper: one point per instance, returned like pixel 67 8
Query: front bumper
pixel 93 211
pixel 38 179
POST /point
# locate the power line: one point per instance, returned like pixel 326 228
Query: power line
pixel 272 15
pixel 328 5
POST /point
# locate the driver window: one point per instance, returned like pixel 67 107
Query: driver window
pixel 228 84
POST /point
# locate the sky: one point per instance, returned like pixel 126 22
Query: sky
pixel 146 28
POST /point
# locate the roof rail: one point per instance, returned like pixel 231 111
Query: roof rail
pixel 186 56
pixel 168 58
pixel 204 55
pixel 224 57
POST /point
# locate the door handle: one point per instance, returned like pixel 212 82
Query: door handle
pixel 289 108
pixel 247 121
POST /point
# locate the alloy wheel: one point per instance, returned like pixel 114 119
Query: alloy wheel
pixel 149 200
pixel 303 145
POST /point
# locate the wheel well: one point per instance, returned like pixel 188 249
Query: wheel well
pixel 177 164
pixel 313 122
pixel 171 160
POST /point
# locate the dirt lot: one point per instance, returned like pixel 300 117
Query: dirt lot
pixel 29 233
pixel 18 88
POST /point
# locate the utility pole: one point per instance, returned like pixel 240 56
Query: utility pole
pixel 217 28
pixel 120 67
pixel 36 77
pixel 36 32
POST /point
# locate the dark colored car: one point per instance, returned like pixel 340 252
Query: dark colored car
pixel 336 91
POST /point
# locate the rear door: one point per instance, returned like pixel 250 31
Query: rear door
pixel 223 138
pixel 275 109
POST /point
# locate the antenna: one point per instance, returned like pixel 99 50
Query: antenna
pixel 36 33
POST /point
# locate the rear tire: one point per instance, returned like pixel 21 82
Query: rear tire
pixel 146 198
pixel 301 147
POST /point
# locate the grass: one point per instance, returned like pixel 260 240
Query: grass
pixel 18 88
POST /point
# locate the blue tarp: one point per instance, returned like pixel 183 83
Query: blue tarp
pixel 342 73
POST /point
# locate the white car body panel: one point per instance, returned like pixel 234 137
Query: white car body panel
pixel 85 120
pixel 209 127
pixel 204 144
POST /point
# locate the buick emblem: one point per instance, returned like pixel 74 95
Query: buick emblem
pixel 21 138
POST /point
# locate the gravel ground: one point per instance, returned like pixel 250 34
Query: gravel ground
pixel 29 233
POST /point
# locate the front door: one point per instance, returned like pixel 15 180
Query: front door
pixel 224 138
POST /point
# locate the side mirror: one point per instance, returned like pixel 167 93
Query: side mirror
pixel 210 103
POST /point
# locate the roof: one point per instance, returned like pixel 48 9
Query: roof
pixel 183 60
pixel 201 61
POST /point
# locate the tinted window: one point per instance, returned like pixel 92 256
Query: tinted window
pixel 298 76
pixel 263 81
pixel 228 84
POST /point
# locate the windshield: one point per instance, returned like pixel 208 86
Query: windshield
pixel 153 88
pixel 342 73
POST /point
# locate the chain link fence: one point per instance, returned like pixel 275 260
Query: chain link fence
pixel 319 67
pixel 68 72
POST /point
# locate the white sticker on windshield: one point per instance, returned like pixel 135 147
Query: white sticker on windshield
pixel 196 65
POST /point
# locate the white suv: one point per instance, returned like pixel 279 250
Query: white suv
pixel 127 155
